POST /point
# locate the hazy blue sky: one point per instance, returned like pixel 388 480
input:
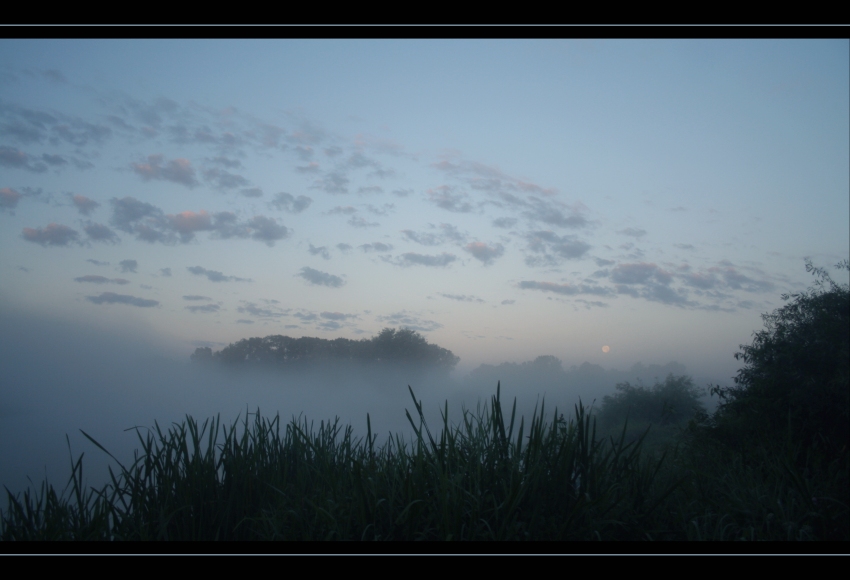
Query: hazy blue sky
pixel 505 198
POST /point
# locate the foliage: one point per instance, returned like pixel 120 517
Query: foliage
pixel 795 383
pixel 676 400
pixel 391 346
pixel 485 479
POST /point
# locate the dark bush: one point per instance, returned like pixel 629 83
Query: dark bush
pixel 795 384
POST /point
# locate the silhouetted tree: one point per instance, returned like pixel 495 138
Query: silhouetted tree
pixel 795 380
pixel 401 347
pixel 676 400
pixel 202 354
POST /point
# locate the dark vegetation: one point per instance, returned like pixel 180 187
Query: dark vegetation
pixel 771 463
pixel 391 347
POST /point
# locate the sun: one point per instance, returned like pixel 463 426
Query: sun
pixel 606 348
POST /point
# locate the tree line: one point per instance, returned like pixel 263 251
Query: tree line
pixel 391 347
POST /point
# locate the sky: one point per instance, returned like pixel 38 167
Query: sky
pixel 504 198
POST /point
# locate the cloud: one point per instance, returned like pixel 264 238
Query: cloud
pixel 243 321
pixel 563 247
pixel 505 222
pixel 226 162
pixel 17 159
pixel 101 280
pixel 100 233
pixel 128 265
pixel 376 247
pixel 165 272
pixel 221 179
pixel 445 197
pixel 566 289
pixel 370 189
pixel 215 276
pixel 54 160
pixel 700 280
pixel 9 198
pixel 112 298
pixel 150 224
pixel 51 235
pixel 266 229
pixel 425 239
pixel 84 205
pixel 738 281
pixel 461 297
pixel 553 213
pixel 137 217
pixel 338 316
pixel 359 222
pixel 411 258
pixel 252 192
pixel 411 321
pixel 334 182
pixel 260 312
pixel 286 202
pixel 97 262
pixel 590 303
pixel 448 233
pixel 187 223
pixel 383 210
pixel 177 170
pixel 203 308
pixel 311 167
pixel 343 247
pixel 304 152
pixel 666 295
pixel 318 278
pixel 640 273
pixel 322 251
pixel 507 302
pixel 633 232
pixel 451 233
pixel 484 253
pixel 196 297
pixel 346 210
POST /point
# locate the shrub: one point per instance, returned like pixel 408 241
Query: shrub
pixel 795 383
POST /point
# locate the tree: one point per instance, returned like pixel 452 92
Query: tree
pixel 404 346
pixel 202 354
pixel 795 381
pixel 674 401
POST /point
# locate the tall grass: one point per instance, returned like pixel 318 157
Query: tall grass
pixel 490 477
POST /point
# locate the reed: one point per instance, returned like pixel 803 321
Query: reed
pixel 491 476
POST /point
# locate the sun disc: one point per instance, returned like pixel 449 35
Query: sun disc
pixel 606 348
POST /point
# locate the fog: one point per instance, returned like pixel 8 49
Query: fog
pixel 60 377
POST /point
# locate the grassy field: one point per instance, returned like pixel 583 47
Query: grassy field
pixel 494 476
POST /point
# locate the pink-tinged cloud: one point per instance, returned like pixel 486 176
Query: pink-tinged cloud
pixel 177 170
pixel 9 197
pixel 51 235
pixel 84 205
pixel 485 253
pixel 188 222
